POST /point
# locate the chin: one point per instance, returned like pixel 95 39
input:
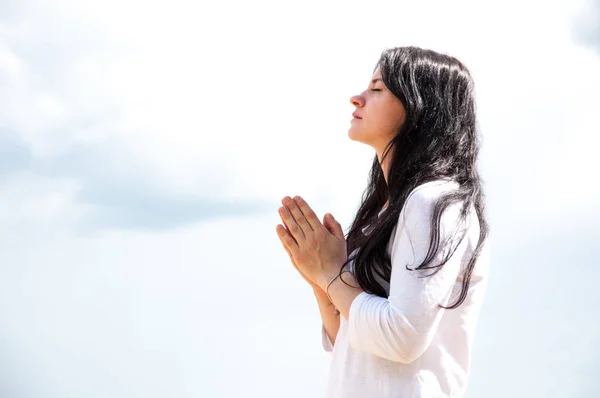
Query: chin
pixel 356 135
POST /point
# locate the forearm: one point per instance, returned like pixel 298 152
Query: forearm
pixel 331 320
pixel 375 327
pixel 343 295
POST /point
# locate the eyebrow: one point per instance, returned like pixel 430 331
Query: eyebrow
pixel 375 80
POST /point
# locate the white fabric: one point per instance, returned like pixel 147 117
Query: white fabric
pixel 405 346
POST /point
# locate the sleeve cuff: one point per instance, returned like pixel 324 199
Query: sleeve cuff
pixel 327 344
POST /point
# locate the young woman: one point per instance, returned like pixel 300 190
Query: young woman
pixel 401 294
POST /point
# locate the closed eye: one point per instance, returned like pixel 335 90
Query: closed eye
pixel 375 89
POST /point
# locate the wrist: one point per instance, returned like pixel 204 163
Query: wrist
pixel 317 289
pixel 346 278
pixel 323 282
pixel 320 293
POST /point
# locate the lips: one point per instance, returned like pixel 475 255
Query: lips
pixel 356 116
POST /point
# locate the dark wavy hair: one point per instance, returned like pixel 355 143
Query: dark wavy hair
pixel 438 140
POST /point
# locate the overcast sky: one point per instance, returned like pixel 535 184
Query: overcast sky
pixel 145 147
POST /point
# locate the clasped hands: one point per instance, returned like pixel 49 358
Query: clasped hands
pixel 316 249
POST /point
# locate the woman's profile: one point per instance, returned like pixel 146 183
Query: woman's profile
pixel 401 292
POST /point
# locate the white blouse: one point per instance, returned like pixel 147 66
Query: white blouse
pixel 405 346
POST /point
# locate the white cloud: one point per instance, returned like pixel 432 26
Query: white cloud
pixel 33 208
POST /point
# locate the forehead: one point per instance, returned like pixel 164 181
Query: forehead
pixel 376 74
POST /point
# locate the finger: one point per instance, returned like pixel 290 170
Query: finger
pixel 333 226
pixel 310 215
pixel 283 230
pixel 288 241
pixel 298 215
pixel 290 223
pixel 286 218
pixel 296 266
pixel 292 259
pixel 327 225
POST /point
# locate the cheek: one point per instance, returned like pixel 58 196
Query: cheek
pixel 392 116
pixel 395 121
pixel 386 122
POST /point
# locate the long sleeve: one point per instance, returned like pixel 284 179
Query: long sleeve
pixel 401 327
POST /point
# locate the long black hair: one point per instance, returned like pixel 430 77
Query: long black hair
pixel 439 139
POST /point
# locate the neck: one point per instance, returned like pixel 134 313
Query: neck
pixel 385 169
pixel 385 166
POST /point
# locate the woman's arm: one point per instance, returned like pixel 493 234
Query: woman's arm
pixel 401 327
pixel 331 320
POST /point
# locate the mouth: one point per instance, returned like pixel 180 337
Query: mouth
pixel 356 116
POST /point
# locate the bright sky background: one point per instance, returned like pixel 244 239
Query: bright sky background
pixel 145 147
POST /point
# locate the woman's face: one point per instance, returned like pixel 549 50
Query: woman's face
pixel 378 115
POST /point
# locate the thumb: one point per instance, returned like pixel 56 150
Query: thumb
pixel 333 226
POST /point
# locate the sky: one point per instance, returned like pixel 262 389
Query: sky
pixel 145 148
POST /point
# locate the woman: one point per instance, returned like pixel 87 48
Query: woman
pixel 401 294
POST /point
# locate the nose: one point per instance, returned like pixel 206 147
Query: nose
pixel 357 100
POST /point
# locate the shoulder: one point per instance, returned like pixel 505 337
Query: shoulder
pixel 423 197
pixel 418 217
